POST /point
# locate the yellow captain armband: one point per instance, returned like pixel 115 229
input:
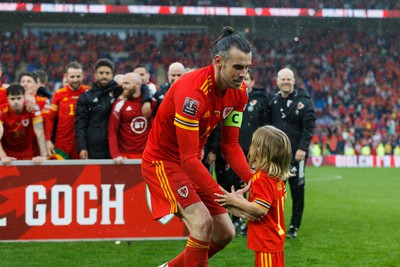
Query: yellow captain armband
pixel 233 119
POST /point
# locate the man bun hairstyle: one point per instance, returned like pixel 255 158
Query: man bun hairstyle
pixel 226 41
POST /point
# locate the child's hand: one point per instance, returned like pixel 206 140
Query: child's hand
pixel 229 199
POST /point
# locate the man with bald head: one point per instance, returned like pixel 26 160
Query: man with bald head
pixel 175 71
pixel 292 110
pixel 128 127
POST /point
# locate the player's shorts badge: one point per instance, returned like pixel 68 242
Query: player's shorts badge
pixel 183 191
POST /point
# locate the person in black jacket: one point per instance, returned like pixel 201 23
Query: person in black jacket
pixel 292 111
pixel 93 111
pixel 175 70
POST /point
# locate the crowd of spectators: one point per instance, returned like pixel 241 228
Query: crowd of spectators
pixel 353 77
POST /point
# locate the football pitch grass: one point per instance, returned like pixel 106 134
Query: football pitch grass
pixel 351 218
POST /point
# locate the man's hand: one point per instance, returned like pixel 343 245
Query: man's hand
pixel 146 109
pixel 37 160
pixel 84 154
pixel 30 102
pixel 119 160
pixel 7 160
pixel 211 158
pixel 50 148
pixel 300 155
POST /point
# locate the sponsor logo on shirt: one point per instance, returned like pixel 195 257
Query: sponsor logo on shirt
pixel 139 125
pixel 190 106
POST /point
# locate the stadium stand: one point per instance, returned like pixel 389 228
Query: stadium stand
pixel 352 76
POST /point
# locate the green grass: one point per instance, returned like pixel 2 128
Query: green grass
pixel 351 218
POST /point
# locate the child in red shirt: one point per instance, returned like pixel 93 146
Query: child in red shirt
pixel 269 156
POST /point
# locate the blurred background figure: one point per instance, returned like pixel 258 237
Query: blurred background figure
pixel 175 71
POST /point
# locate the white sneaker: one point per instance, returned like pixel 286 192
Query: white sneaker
pixel 164 265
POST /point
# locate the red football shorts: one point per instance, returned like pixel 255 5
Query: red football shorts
pixel 169 185
pixel 269 259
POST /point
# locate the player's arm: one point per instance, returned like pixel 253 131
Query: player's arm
pixel 188 141
pixel 146 100
pixel 308 124
pixel 6 160
pixel 113 126
pixel 230 146
pixel 49 125
pixel 237 200
pixel 81 123
pixel 39 132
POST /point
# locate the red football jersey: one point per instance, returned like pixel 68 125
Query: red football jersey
pixel 191 109
pixel 18 133
pixel 63 107
pixel 3 97
pixel 267 235
pixel 128 128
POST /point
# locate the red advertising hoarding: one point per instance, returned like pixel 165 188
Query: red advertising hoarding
pixel 80 201
pixel 98 200
pixel 198 10
pixel 355 161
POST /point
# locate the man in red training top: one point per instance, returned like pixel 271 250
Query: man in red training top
pixel 171 165
pixel 128 128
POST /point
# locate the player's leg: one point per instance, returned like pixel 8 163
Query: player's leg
pixel 200 225
pixel 223 233
pixel 297 186
pixel 173 192
pixel 223 229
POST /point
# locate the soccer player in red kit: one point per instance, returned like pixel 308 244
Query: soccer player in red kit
pixel 20 127
pixel 269 155
pixel 63 106
pixel 171 164
pixel 128 128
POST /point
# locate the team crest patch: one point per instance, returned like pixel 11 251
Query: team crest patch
pixel 300 105
pixel 190 106
pixel 226 112
pixel 183 191
pixel 25 122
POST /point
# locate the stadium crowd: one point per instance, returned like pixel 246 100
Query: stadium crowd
pixel 353 77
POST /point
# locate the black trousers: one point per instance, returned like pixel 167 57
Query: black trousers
pixel 297 186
